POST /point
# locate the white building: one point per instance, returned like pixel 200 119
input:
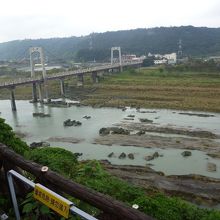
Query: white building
pixel 171 58
pixel 158 62
pixel 164 59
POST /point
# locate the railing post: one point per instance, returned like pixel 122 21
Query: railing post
pixel 13 196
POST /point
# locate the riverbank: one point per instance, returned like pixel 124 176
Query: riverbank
pixel 200 190
pixel 145 88
pixel 149 88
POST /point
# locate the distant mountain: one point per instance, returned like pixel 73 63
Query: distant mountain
pixel 196 41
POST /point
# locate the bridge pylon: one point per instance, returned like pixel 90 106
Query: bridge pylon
pixel 119 56
pixel 44 75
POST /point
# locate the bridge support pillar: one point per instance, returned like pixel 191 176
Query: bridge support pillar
pixel 46 89
pixel 34 92
pixel 62 87
pixel 80 79
pixel 95 78
pixel 13 105
pixel 40 93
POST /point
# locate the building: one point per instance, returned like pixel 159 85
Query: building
pixel 171 58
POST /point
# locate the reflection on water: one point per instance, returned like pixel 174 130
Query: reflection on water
pixel 40 129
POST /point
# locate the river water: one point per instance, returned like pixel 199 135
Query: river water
pixel 40 129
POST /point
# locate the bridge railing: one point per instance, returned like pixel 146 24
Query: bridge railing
pixel 110 209
pixel 21 81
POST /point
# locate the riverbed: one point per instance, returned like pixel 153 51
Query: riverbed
pixel 170 163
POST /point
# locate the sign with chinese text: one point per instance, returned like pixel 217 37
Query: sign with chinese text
pixel 52 200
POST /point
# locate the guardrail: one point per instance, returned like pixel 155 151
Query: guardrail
pixel 73 209
pixel 110 208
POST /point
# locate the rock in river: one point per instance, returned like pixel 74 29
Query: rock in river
pixel 39 144
pixel 141 132
pixel 111 154
pixel 211 167
pixel 186 153
pixel 104 131
pixel 122 156
pixel 87 117
pixel 116 130
pixel 70 122
pixel 151 157
pixel 145 120
pixel 131 156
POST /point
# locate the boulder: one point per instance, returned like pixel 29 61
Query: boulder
pixel 87 117
pixel 211 167
pixel 39 144
pixel 131 156
pixel 152 157
pixel 156 154
pixel 70 122
pixel 186 153
pixel 122 155
pixel 123 131
pixel 77 123
pixel 140 133
pixel 124 109
pixel 145 120
pixel 148 158
pixel 104 131
pixel 111 154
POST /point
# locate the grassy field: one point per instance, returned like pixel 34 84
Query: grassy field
pixel 149 88
pixel 156 89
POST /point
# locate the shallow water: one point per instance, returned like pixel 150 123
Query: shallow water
pixel 172 162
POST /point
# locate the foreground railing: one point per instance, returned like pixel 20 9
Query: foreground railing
pixel 110 208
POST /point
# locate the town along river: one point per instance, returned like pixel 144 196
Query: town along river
pixel 85 138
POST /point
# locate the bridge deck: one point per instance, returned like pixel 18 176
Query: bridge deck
pixel 23 81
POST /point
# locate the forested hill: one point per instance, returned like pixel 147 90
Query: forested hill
pixel 196 41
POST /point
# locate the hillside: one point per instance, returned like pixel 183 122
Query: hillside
pixel 196 41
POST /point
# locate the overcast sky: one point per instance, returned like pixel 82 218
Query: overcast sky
pixel 25 19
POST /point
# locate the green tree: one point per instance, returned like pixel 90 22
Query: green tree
pixel 8 137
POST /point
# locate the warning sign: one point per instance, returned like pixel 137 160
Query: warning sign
pixel 52 200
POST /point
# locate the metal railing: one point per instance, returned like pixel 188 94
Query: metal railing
pixel 73 209
pixel 22 81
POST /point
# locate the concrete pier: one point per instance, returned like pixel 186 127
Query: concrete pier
pixel 13 105
pixel 62 87
pixel 34 92
pixel 46 93
pixel 40 92
pixel 80 79
pixel 95 78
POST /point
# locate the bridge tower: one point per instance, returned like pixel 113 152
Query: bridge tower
pixel 119 55
pixel 44 75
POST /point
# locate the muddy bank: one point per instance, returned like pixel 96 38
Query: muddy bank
pixel 211 147
pixel 194 188
pixel 169 130
pixel 153 136
pixel 65 139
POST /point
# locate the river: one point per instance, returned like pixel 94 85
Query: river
pixel 172 162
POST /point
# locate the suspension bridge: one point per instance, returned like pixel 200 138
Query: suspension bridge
pixel 42 81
